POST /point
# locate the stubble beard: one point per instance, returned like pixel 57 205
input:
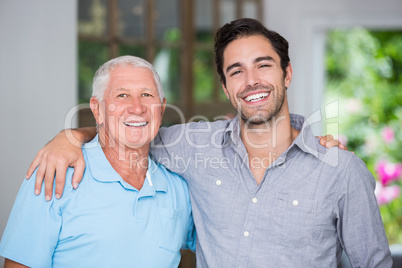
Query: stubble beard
pixel 261 117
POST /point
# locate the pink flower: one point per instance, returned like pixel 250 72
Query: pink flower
pixel 388 172
pixel 386 194
pixel 388 134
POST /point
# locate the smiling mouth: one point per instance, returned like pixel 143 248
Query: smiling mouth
pixel 256 97
pixel 139 124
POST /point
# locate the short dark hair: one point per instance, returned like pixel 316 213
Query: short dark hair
pixel 243 28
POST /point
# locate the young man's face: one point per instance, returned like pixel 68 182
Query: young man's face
pixel 255 82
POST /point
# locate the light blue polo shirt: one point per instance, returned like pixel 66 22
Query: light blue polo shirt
pixel 105 222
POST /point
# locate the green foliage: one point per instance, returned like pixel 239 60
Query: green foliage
pixel 91 56
pixel 203 75
pixel 364 73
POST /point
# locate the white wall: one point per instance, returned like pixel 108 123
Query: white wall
pixel 37 84
pixel 304 24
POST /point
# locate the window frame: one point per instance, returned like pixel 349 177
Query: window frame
pixel 188 44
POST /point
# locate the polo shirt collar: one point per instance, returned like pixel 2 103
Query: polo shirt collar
pixel 156 176
pixel 103 171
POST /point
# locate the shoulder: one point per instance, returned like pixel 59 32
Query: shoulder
pixel 27 188
pixel 196 128
pixel 334 156
pixel 349 168
pixel 171 177
pixel 175 183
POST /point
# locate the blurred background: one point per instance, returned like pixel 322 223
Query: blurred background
pixel 346 57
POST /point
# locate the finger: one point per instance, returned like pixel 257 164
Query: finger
pixel 35 163
pixel 322 140
pixel 328 137
pixel 49 177
pixel 332 143
pixel 343 147
pixel 78 172
pixel 60 179
pixel 40 174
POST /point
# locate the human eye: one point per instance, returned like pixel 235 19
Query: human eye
pixel 122 95
pixel 146 95
pixel 236 72
pixel 265 65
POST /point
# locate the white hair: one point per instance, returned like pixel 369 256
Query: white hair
pixel 102 75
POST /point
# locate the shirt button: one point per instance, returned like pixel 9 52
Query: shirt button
pixel 255 200
pixel 246 233
pixel 295 202
pixel 218 182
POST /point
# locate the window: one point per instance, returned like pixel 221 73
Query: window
pixel 175 35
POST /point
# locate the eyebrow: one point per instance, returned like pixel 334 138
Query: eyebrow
pixel 267 58
pixel 238 64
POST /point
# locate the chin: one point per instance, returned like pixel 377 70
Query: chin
pixel 138 144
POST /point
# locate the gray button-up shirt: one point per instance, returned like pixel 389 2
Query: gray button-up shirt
pixel 312 202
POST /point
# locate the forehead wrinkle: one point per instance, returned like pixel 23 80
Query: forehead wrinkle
pixel 141 88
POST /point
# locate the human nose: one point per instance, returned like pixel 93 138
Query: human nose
pixel 136 106
pixel 252 78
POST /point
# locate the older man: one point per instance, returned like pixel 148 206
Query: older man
pixel 265 193
pixel 129 211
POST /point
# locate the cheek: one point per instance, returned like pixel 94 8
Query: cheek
pixel 156 118
pixel 155 122
pixel 229 89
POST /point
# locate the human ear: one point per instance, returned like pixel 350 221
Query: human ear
pixel 96 110
pixel 225 90
pixel 163 107
pixel 288 77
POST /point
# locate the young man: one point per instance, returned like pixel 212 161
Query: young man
pixel 264 192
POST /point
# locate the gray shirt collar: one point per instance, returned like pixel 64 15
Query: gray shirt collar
pixel 232 132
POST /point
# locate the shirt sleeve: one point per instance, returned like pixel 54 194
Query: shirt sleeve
pixel 32 231
pixel 171 148
pixel 360 227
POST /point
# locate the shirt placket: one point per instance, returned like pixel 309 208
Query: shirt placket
pixel 253 210
pixel 246 233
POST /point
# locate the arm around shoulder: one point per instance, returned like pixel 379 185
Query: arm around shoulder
pixel 60 153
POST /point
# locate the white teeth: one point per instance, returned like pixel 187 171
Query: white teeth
pixel 135 124
pixel 256 97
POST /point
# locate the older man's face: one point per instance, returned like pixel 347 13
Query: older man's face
pixel 132 110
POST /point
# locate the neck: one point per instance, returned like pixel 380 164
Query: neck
pixel 275 135
pixel 130 163
pixel 265 143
